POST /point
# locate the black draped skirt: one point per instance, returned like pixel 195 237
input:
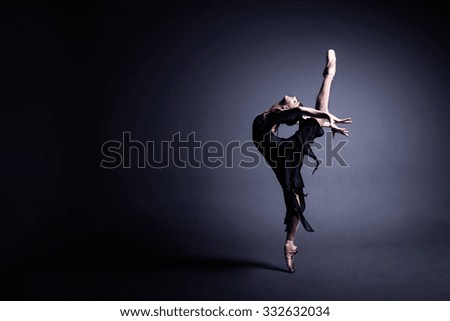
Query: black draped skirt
pixel 285 157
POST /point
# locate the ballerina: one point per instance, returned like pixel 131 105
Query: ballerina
pixel 285 155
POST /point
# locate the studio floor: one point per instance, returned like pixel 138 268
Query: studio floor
pixel 90 272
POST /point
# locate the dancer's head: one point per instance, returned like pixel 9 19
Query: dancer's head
pixel 289 102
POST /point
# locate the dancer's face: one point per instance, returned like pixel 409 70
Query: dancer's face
pixel 290 101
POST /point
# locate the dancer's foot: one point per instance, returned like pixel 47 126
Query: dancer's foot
pixel 289 251
pixel 330 69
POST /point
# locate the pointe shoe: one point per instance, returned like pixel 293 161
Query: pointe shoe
pixel 330 69
pixel 289 251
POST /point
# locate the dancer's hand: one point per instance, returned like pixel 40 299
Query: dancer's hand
pixel 339 130
pixel 337 120
pixel 343 120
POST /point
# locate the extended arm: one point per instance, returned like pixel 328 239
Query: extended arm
pixel 330 121
pixel 289 115
pixel 292 114
pixel 312 112
pixel 326 115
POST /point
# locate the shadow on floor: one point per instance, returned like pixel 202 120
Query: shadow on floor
pixel 100 270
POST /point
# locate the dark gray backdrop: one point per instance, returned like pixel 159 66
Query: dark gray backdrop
pixel 77 75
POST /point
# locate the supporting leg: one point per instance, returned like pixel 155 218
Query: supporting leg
pixel 292 222
pixel 290 249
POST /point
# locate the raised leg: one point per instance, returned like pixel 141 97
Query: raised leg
pixel 324 94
